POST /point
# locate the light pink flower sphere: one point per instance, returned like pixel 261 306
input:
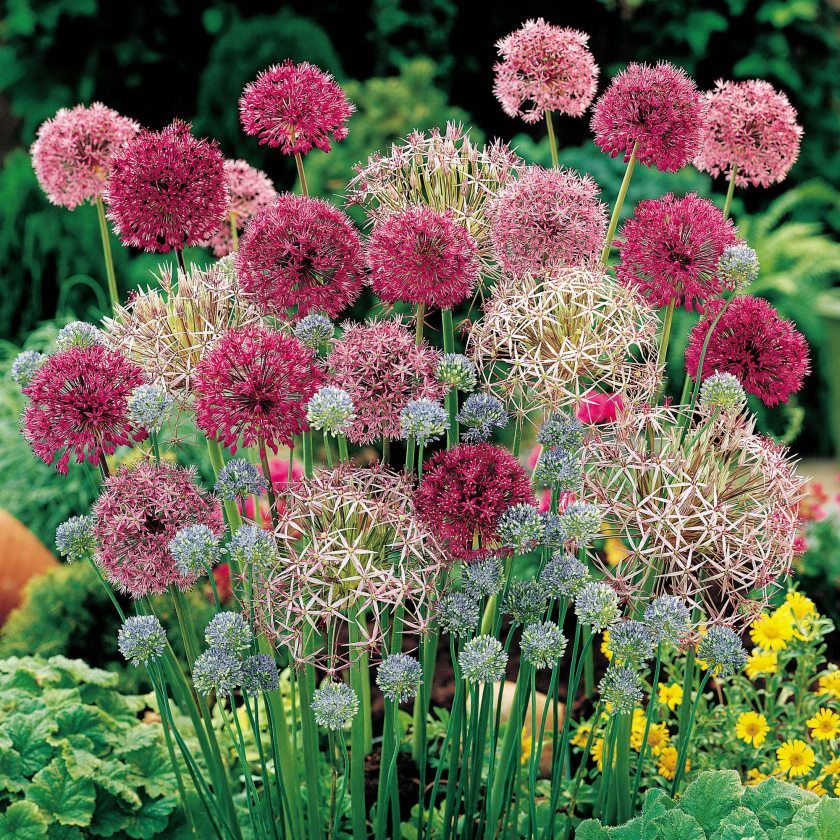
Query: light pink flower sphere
pixel 544 68
pixel 658 108
pixel 300 255
pixel 295 107
pixel 249 190
pixel 751 126
pixel 167 189
pixel 137 514
pixel 670 249
pixel 72 152
pixel 547 219
pixel 422 256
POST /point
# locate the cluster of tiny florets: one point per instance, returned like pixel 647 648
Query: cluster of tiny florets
pixel 520 528
pixel 563 576
pixel 525 601
pixel 722 650
pixel 483 578
pixel 239 478
pixel 457 371
pixel 315 331
pixel 423 420
pixel 399 677
pixel 252 546
pixel 75 538
pixel 458 613
pixel 483 660
pixel 229 631
pixel 561 431
pixel 25 366
pixel 582 522
pixel 331 410
pixel 558 468
pixel 259 673
pixel 622 687
pixel 631 642
pixel 543 644
pixel 596 605
pixel 78 334
pixel 554 535
pixel 479 415
pixel 668 618
pixel 149 407
pixel 217 670
pixel 335 705
pixel 722 391
pixel 195 550
pixel 141 639
pixel 738 267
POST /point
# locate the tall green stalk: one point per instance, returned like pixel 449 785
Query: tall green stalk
pixel 311 753
pixel 727 205
pixel 358 675
pixel 552 139
pixel 110 273
pixel 686 725
pixel 453 432
pixel 619 203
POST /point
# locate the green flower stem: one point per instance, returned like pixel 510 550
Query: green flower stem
pixel 107 587
pixel 619 203
pixel 665 337
pixel 421 450
pixel 342 448
pixel 532 760
pixel 581 770
pixel 234 518
pixel 304 187
pixel 685 733
pixel 727 205
pixel 254 722
pixel 266 471
pixel 482 721
pixel 453 433
pixel 105 233
pixel 358 676
pixel 517 436
pixel 552 140
pixel 391 792
pixel 602 809
pixel 619 791
pixel 311 754
pixel 491 618
pixel 308 456
pixel 217 603
pixel 420 318
pixel 410 447
pixel 457 722
pixel 342 793
pixel 588 674
pixel 386 449
pixel 651 713
pixel 327 450
pixel 155 446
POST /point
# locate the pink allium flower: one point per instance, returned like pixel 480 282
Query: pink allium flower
pixel 599 408
pixel 465 490
pixel 72 152
pixel 422 256
pixel 294 107
pixel 765 352
pixel 138 512
pixel 79 405
pixel 544 68
pixel 752 126
pixel 658 108
pixel 383 369
pixel 547 219
pixel 254 386
pixel 249 190
pixel 166 189
pixel 303 254
pixel 670 249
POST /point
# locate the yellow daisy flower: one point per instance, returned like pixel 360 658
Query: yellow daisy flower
pixel 832 768
pixel 581 735
pixel 830 684
pixel 658 737
pixel 752 728
pixel 772 632
pixel 670 695
pixel 800 605
pixel 667 765
pixel 816 786
pixel 755 776
pixel 762 664
pixel 597 753
pixel 795 758
pixel 824 725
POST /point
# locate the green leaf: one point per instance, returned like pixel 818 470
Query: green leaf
pixel 632 830
pixel 656 802
pixel 816 821
pixel 151 819
pixel 69 801
pixel 591 830
pixel 711 796
pixel 740 824
pixel 774 802
pixel 29 734
pixel 110 817
pixel 673 825
pixel 152 770
pixel 118 779
pixel 23 821
pixel 83 726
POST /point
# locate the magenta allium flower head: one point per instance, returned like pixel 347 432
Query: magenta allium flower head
pixel 79 405
pixel 422 256
pixel 167 189
pixel 544 68
pixel 752 126
pixel 294 107
pixel 658 108
pixel 138 513
pixel 464 492
pixel 72 152
pixel 670 249
pixel 249 189
pixel 767 354
pixel 547 219
pixel 383 369
pixel 300 254
pixel 253 386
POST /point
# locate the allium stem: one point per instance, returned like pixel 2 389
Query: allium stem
pixel 308 456
pixel 665 336
pixel 234 233
pixel 342 448
pixel 552 139
pixel 420 320
pixel 619 203
pixel 651 712
pixel 358 676
pixel 410 446
pixel 685 732
pixel 618 793
pixel 727 205
pixel 234 518
pixel 327 450
pixel 304 187
pixel 266 470
pixel 311 753
pixel 179 256
pixel 453 433
pixel 533 757
pixel 105 233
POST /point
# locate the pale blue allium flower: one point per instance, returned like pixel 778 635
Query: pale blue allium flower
pixel 195 549
pixel 424 420
pixel 483 578
pixel 259 673
pixel 26 365
pixel 737 267
pixel 217 670
pixel 525 601
pixel 596 605
pixel 75 538
pixel 141 639
pixel 543 644
pixel 561 431
pixel 559 469
pixel 149 407
pixel 335 705
pixel 479 415
pixel 622 687
pixel 252 545
pixel 483 660
pixel 520 527
pixel 78 334
pixel 723 391
pixel 631 643
pixel 399 677
pixel 457 371
pixel 457 613
pixel 331 410
pixel 668 618
pixel 722 651
pixel 582 522
pixel 229 631
pixel 564 575
pixel 239 478
pixel 315 331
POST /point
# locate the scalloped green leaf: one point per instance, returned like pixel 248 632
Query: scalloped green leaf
pixel 740 824
pixel 29 735
pixel 712 796
pixel 673 825
pixel 151 818
pixel 591 830
pixel 816 821
pixel 23 821
pixel 67 800
pixel 774 802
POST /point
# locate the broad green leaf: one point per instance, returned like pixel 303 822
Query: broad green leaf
pixel 117 778
pixel 711 796
pixel 11 772
pixel 109 817
pixel 29 734
pixel 740 824
pixel 774 802
pixel 23 821
pixel 656 802
pixel 84 727
pixel 67 800
pixel 152 769
pixel 151 818
pixel 591 830
pixel 815 821
pixel 673 825
pixel 80 672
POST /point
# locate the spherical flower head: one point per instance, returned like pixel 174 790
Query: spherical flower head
pixel 722 651
pixel 458 613
pixel 520 528
pixel 422 256
pixel 525 602
pixel 300 255
pixel 722 391
pixel 75 538
pixel 483 660
pixel 765 352
pixel 252 546
pixel 547 219
pixel 331 410
pixel 483 578
pixel 558 468
pixel 229 631
pixel 737 267
pixel 543 644
pixel 399 677
pixel 253 387
pixel 561 431
pixel 622 687
pixel 238 479
pixel 79 406
pixel 671 248
pixel 315 331
pixel 464 492
pixel 424 420
pixel 668 618
pixel 166 189
pixel 563 576
pixel 78 334
pixel 457 371
pixel 141 639
pixel 295 107
pixel 479 415
pixel 544 68
pixel 554 532
pixel 217 670
pixel 596 605
pixel 582 522
pixel 335 705
pixel 249 190
pixel 259 673
pixel 149 407
pixel 26 365
pixel 195 550
pixel 72 152
pixel 383 369
pixel 752 127
pixel 138 513
pixel 631 643
pixel 656 109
